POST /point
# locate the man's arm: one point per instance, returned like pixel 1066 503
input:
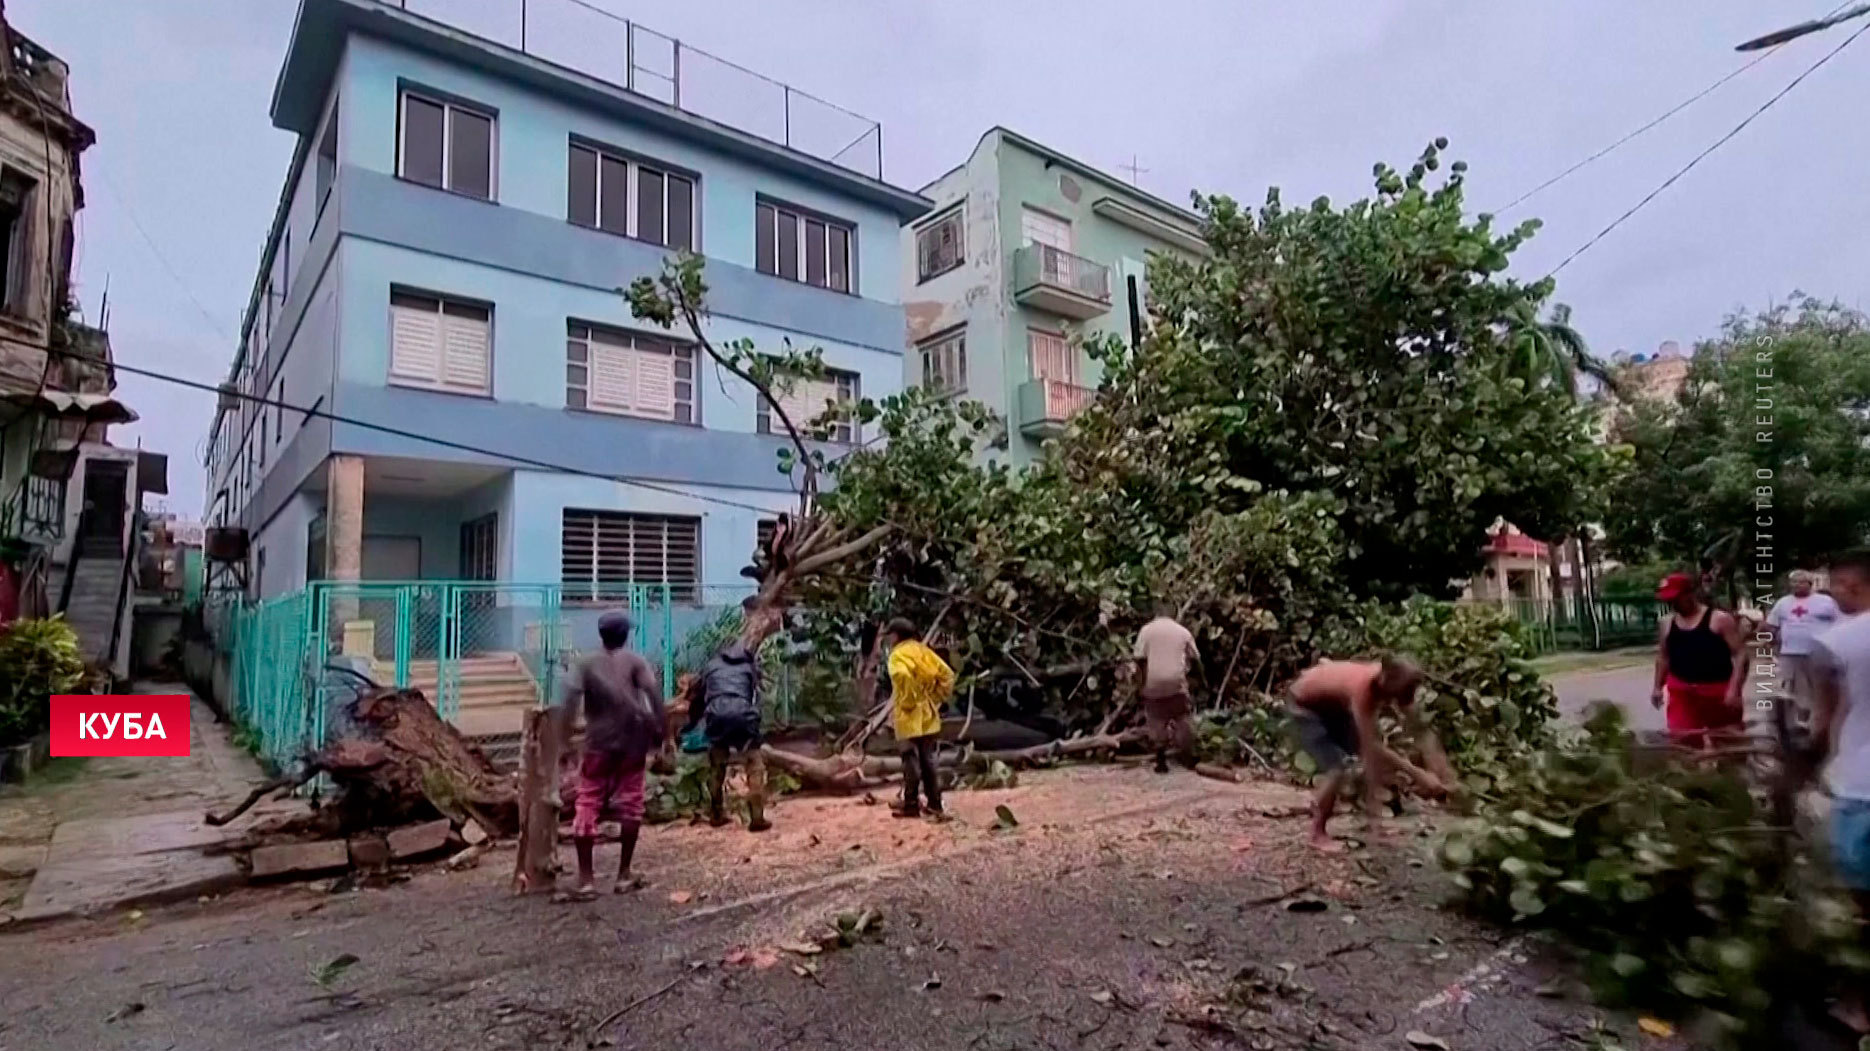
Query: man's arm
pixel 1728 626
pixel 646 681
pixel 1774 618
pixel 1828 700
pixel 1662 661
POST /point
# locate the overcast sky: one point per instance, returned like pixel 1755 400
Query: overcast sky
pixel 1223 96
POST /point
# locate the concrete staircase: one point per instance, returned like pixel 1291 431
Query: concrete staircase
pixel 495 690
pixel 92 611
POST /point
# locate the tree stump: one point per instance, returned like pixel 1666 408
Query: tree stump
pixel 535 866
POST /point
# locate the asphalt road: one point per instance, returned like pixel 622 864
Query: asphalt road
pixel 1626 687
pixel 1097 928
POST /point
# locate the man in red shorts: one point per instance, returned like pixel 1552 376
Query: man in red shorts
pixel 1701 664
pixel 624 725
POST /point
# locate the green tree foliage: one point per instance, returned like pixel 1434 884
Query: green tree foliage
pixel 1359 353
pixel 1700 462
pixel 1668 872
pixel 1323 412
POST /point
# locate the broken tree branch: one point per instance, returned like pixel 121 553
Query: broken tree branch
pixel 841 552
pixel 277 783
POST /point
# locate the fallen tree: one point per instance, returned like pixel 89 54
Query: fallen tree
pixel 403 763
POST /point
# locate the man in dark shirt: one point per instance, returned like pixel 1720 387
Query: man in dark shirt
pixel 624 725
pixel 727 695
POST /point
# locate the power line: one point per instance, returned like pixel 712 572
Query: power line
pixel 1703 155
pixel 1679 107
pixel 174 273
pixel 312 411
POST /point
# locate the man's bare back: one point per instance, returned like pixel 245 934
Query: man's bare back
pixel 1345 685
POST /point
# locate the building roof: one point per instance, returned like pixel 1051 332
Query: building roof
pixel 1171 214
pixel 322 26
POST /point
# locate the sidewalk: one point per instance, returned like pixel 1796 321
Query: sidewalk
pixel 98 833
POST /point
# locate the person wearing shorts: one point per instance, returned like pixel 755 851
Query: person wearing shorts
pixel 1334 708
pixel 1797 619
pixel 1701 665
pixel 1165 649
pixel 624 724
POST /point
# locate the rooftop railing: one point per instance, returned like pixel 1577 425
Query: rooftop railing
pixel 585 38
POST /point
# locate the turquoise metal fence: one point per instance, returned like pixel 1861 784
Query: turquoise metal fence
pixel 1573 624
pixel 496 643
pixel 268 646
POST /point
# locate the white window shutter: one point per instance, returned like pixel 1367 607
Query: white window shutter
pixel 465 364
pixel 613 376
pixel 655 384
pixel 415 344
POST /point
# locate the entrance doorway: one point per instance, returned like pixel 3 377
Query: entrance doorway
pixel 106 491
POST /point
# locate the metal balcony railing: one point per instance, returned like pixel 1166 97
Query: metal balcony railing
pixel 582 37
pixel 1045 405
pixel 1060 269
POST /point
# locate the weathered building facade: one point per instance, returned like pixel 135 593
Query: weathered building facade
pixel 40 193
pixel 1025 251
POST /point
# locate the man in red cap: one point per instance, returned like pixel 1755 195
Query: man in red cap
pixel 1701 663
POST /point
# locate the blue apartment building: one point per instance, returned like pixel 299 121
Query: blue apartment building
pixel 445 263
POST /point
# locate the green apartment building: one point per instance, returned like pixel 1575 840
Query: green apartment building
pixel 1026 253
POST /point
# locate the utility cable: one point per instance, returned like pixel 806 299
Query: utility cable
pixel 1703 155
pixel 1677 108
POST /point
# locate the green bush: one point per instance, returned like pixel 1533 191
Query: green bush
pixel 1667 873
pixel 38 658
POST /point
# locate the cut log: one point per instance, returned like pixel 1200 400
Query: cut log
pixel 849 771
pixel 539 779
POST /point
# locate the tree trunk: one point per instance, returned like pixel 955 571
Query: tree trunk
pixel 536 863
pixel 848 771
pixel 1589 580
pixel 1555 550
pixel 410 757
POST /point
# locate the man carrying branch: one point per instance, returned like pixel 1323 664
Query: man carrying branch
pixel 1334 710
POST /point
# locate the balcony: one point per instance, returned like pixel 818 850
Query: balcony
pixel 1057 282
pixel 1046 406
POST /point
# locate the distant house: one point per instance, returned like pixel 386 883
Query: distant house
pixel 1024 247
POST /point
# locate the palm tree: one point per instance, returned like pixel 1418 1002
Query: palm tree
pixel 1551 351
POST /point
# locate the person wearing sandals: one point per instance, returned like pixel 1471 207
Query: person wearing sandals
pixel 920 683
pixel 624 725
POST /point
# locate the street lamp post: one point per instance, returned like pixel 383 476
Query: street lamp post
pixel 1778 37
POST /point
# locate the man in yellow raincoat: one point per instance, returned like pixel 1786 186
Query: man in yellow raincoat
pixel 920 683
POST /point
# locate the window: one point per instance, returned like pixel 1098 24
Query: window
pixel 279 410
pixel 632 198
pixel 1042 228
pixel 603 553
pixel 480 548
pixel 609 370
pixel 259 441
pixel 944 363
pixel 807 400
pixel 800 247
pixel 447 146
pixel 1052 357
pixel 16 216
pixel 439 343
pixel 939 246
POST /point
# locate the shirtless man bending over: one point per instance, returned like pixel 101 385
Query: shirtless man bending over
pixel 1334 710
